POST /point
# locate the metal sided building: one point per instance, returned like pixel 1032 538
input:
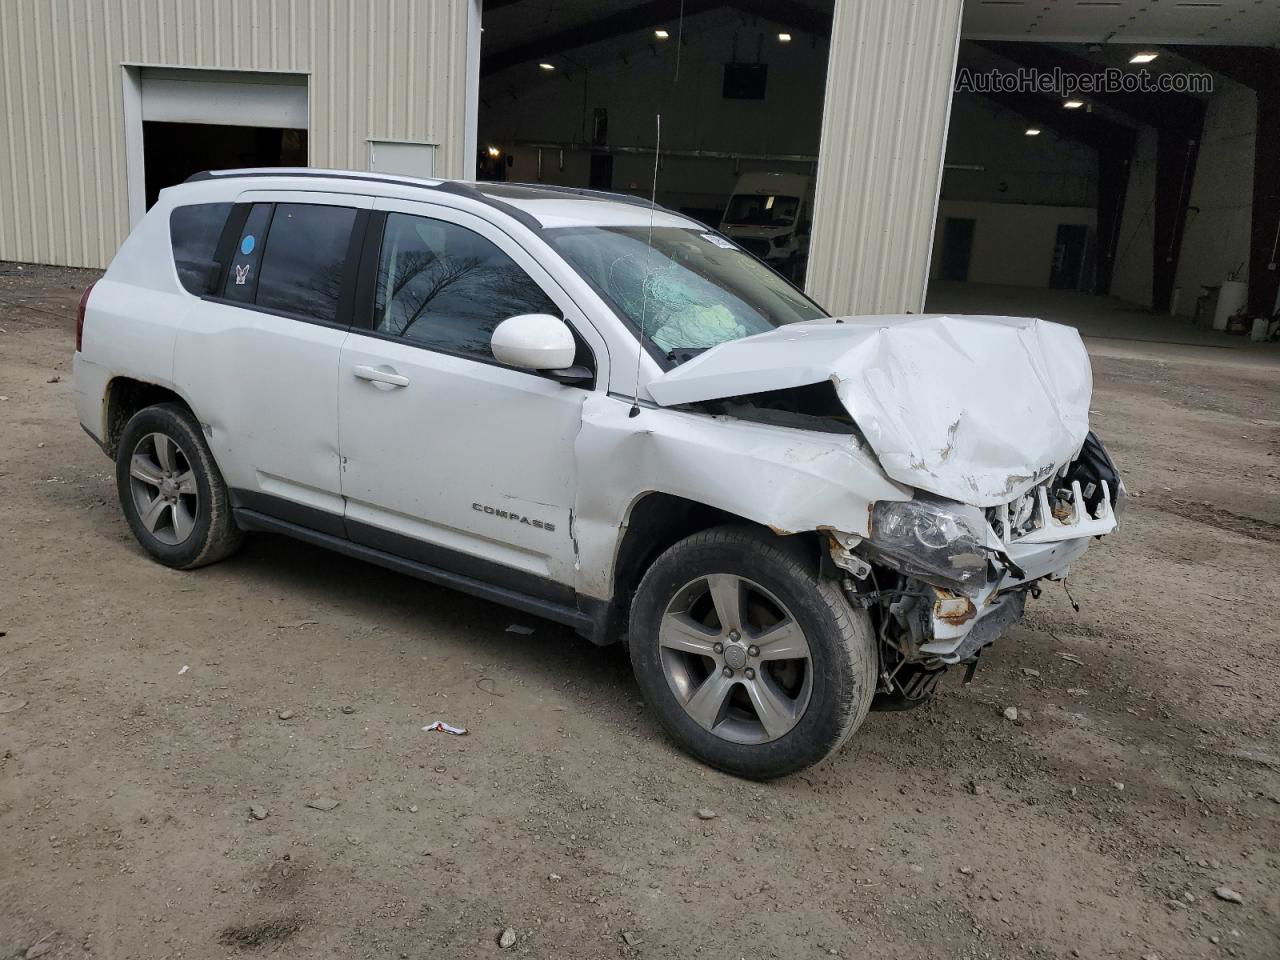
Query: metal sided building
pixel 913 177
pixel 96 94
pixel 105 99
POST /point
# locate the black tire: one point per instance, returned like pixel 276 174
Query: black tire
pixel 842 647
pixel 214 535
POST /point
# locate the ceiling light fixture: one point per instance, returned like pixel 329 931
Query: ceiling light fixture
pixel 547 66
pixel 1033 131
pixel 1073 104
pixel 784 38
pixel 1145 57
pixel 661 34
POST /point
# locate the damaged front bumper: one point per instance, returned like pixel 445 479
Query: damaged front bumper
pixel 936 611
pixel 957 626
pixel 1054 537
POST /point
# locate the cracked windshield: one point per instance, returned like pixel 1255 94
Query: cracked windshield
pixel 693 289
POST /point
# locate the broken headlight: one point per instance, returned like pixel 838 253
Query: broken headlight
pixel 940 543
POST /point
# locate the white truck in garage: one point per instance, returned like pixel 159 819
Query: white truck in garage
pixel 770 215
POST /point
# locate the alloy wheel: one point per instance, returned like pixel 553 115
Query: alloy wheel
pixel 164 488
pixel 736 659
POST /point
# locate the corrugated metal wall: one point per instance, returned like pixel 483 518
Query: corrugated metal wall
pixel 889 84
pixel 380 69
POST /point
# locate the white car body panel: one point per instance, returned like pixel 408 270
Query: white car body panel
pixel 134 335
pixel 90 382
pixel 603 213
pixel 132 332
pixel 976 409
pixel 786 479
pixel 467 456
pixel 265 388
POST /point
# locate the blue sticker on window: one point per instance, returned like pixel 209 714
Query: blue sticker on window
pixel 246 245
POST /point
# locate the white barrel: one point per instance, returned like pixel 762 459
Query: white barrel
pixel 1231 300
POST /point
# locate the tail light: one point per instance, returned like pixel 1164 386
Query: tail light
pixel 84 302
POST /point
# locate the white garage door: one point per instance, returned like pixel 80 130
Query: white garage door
pixel 235 98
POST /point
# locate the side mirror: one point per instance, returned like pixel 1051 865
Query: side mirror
pixel 534 341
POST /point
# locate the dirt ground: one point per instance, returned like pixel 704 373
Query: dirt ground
pixel 143 715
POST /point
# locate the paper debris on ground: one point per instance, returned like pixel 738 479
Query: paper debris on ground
pixel 439 726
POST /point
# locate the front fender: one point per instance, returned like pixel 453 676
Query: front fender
pixel 787 479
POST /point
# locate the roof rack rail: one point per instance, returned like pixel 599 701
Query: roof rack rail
pixel 468 188
pixel 311 172
pixel 464 188
pixel 585 192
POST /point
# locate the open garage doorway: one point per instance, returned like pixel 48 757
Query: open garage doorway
pixel 570 92
pixel 1113 170
pixel 181 121
pixel 174 151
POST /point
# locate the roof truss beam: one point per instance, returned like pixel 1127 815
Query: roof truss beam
pixel 1176 112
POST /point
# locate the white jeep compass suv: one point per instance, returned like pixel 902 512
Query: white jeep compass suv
pixel 602 413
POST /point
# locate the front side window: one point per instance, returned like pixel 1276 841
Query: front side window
pixel 446 287
pixel 688 290
pixel 193 232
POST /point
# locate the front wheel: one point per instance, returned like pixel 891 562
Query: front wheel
pixel 752 661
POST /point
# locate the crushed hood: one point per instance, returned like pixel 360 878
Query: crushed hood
pixel 977 409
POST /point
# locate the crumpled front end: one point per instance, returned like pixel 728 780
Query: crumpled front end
pixel 985 420
pixel 944 580
pixel 974 409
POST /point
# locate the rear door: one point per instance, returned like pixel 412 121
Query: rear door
pixel 259 355
pixel 449 457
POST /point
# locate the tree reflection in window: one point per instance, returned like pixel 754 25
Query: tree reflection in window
pixel 302 266
pixel 443 286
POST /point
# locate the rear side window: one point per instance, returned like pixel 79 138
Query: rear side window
pixel 194 231
pixel 291 257
pixel 304 261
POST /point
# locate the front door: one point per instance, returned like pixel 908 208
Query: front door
pixel 450 458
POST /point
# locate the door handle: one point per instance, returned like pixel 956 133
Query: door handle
pixel 380 376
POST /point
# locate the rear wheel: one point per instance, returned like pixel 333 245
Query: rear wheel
pixel 171 491
pixel 751 661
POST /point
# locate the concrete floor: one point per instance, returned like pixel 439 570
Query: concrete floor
pixel 1105 321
